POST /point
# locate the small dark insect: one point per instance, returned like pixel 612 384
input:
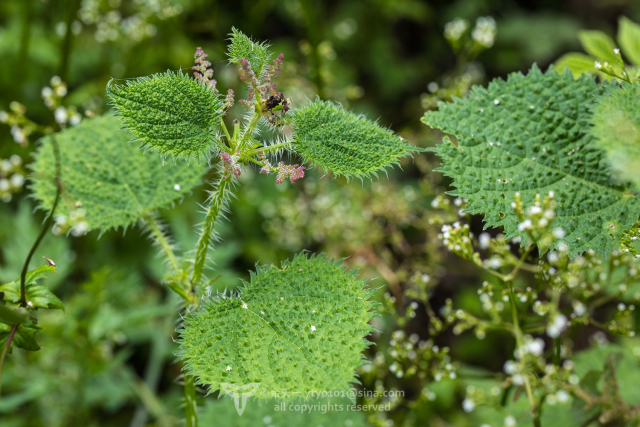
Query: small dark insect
pixel 274 101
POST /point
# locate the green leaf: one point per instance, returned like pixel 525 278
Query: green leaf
pixel 9 316
pixel 24 336
pixel 242 47
pixel 112 181
pixel 629 39
pixel 590 363
pixel 616 125
pixel 299 327
pixel 599 45
pixel 38 295
pixel 530 134
pixel 578 64
pixel 345 143
pixel 170 112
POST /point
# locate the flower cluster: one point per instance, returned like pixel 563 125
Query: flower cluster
pixel 262 87
pixel 230 165
pixel 293 172
pixel 111 25
pixel 11 177
pixel 202 71
pixel 21 126
pixel 75 223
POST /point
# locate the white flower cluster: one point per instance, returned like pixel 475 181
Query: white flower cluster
pixel 485 31
pixel 76 224
pixel 111 25
pixel 11 177
pixel 455 29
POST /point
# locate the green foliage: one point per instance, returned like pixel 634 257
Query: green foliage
pixel 112 181
pixel 344 143
pixel 169 112
pixel 242 47
pixel 603 59
pixel 258 413
pixel 38 295
pixel 298 328
pixel 629 39
pixel 616 121
pixel 530 135
pixel 599 45
pixel 24 336
pixel 9 316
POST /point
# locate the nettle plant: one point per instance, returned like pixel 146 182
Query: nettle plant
pixel 551 159
pixel 293 329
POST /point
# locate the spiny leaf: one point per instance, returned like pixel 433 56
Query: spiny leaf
pixel 299 328
pixel 345 143
pixel 170 112
pixel 242 47
pixel 24 336
pixel 38 295
pixel 616 126
pixel 530 134
pixel 112 181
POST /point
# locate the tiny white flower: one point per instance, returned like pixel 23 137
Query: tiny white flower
pixel 616 51
pixel 598 65
pixel 562 396
pixel 510 421
pixel 228 368
pixel 244 305
pixel 468 405
pixel 46 92
pixel 533 210
pixel 60 115
pixel 313 328
pixel 484 239
pixel 558 233
pixel 176 187
pixel 524 225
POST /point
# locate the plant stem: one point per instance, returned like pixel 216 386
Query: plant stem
pixel 45 228
pixel 268 148
pixel 5 350
pixel 190 403
pixel 248 131
pixel 161 239
pixel 226 131
pixel 217 201
pixel 520 344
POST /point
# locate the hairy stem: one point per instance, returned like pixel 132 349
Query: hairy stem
pixel 216 204
pixel 161 239
pixel 46 226
pixel 268 148
pixel 5 350
pixel 249 130
pixel 226 131
pixel 190 403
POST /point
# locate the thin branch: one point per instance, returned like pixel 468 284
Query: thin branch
pixel 47 224
pixel 5 350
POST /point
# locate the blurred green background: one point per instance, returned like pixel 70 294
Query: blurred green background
pixel 109 359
